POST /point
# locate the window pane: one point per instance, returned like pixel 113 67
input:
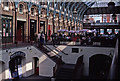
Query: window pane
pixel 21 8
pixel 32 11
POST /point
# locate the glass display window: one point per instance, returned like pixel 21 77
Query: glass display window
pixel 101 31
pixel 109 31
pixel 7 28
pixel 116 31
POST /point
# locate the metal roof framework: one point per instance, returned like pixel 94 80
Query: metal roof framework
pixel 67 6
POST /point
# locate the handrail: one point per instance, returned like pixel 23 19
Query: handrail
pixel 53 51
pixel 113 68
pixel 60 50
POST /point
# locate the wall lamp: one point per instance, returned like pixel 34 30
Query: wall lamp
pixel 29 48
pixel 9 51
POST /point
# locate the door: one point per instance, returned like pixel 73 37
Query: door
pixel 36 60
pixel 99 66
pixel 49 32
pixel 20 31
pixel 32 29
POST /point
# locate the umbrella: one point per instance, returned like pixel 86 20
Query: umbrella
pixel 78 31
pixel 85 30
pixel 59 30
pixel 93 30
pixel 89 31
pixel 62 30
pixel 66 30
pixel 71 31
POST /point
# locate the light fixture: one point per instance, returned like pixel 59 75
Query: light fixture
pixel 114 16
pixel 29 48
pixel 74 12
pixel 111 6
pixel 7 50
pixel 10 53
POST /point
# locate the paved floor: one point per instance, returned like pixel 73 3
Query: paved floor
pixel 36 77
pixel 32 78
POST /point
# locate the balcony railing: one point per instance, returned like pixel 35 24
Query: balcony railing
pixel 10 42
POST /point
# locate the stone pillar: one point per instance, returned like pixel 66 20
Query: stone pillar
pixel 1 70
pixel 86 65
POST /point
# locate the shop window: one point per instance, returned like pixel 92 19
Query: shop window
pixel 7 29
pixel 101 31
pixel 109 31
pixel 6 6
pixel 21 9
pixel 116 31
pixel 32 11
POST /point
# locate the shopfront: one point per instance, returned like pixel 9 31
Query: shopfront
pixel 7 29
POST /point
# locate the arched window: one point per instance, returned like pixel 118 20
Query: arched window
pixel 6 6
pixel 32 11
pixel 21 8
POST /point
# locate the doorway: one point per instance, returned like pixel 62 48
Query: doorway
pixel 99 66
pixel 36 65
pixel 15 65
pixel 79 68
pixel 20 31
pixel 32 29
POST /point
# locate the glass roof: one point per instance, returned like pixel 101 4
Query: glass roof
pixel 104 3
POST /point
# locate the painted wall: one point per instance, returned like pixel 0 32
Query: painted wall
pixel 45 64
pixel 87 52
pixel 28 62
pixel 0 70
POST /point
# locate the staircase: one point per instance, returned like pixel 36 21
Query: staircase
pixel 65 72
pixel 51 54
pixel 59 50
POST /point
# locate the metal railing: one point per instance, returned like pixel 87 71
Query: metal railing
pixel 60 50
pixel 59 56
pixel 114 65
pixel 10 42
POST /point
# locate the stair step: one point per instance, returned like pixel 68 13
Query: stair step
pixel 47 52
pixel 69 73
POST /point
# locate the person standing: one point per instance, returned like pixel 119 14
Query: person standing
pixel 38 39
pixel 42 39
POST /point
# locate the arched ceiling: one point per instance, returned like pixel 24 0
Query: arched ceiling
pixel 68 6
